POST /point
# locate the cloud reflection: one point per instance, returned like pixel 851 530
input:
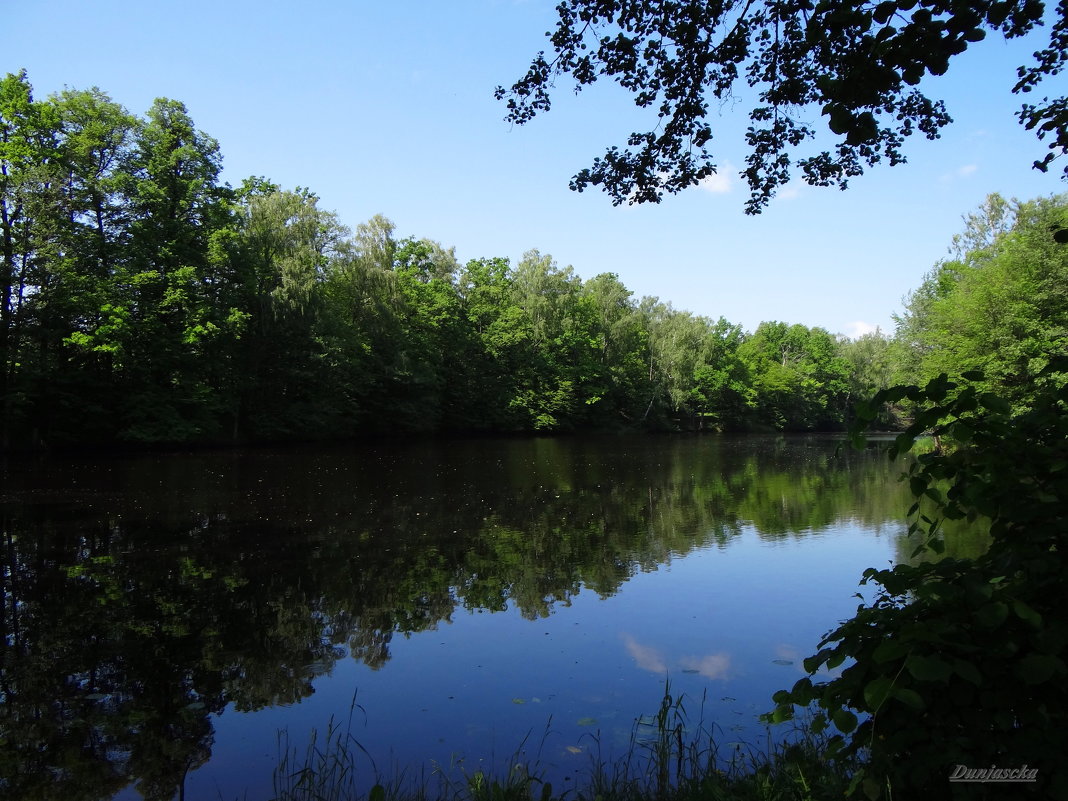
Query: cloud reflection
pixel 784 651
pixel 715 666
pixel 712 666
pixel 644 657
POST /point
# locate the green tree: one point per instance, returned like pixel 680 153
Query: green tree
pixel 65 234
pixel 722 391
pixel 158 319
pixel 799 378
pixel 858 64
pixel 550 345
pixel 693 367
pixel 27 146
pixel 360 325
pixel 484 287
pixel 614 370
pixel 960 661
pixel 872 365
pixel 71 379
pixel 434 382
pixel 1000 307
pixel 277 260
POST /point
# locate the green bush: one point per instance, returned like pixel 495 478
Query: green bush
pixel 961 661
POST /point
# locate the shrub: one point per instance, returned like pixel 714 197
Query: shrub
pixel 961 661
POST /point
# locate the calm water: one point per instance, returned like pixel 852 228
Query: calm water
pixel 165 616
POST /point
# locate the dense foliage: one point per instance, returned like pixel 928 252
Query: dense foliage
pixel 999 306
pixel 857 63
pixel 143 300
pixel 962 661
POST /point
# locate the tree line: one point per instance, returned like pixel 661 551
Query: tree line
pixel 145 301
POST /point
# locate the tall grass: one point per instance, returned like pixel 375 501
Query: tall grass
pixel 672 756
pixel 675 756
pixel 328 768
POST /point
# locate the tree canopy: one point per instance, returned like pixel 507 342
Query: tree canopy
pixel 999 306
pixel 142 300
pixel 858 63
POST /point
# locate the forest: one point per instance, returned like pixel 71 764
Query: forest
pixel 146 301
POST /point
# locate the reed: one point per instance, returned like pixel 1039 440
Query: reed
pixel 672 755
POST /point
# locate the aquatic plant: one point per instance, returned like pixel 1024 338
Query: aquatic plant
pixel 671 756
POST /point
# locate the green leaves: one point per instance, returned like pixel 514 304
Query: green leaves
pixel 844 720
pixel 877 691
pixel 1026 613
pixel 926 668
pixel 1036 669
pixel 781 714
pixel 994 403
pixel 910 698
pixel 974 645
pixel 993 312
pixel 889 651
pixel 991 615
pixel 968 671
pixel 849 59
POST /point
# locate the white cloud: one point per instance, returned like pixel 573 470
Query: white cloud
pixel 859 328
pixel 721 182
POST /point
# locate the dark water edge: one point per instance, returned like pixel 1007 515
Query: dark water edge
pixel 167 614
pixel 35 447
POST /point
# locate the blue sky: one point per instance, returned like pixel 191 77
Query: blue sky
pixel 387 107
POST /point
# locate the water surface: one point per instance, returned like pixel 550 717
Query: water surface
pixel 166 615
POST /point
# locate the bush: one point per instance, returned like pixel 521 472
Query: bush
pixel 961 661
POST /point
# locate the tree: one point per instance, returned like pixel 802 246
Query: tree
pixel 960 661
pixel 277 259
pixel 871 364
pixel 615 371
pixel 431 382
pixel 494 344
pixel 1001 306
pixel 799 378
pixel 550 346
pixel 858 63
pixel 722 391
pixel 159 317
pixel 72 285
pixel 64 227
pixel 693 366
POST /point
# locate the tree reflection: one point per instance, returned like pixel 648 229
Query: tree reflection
pixel 133 616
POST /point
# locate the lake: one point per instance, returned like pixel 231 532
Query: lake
pixel 452 602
